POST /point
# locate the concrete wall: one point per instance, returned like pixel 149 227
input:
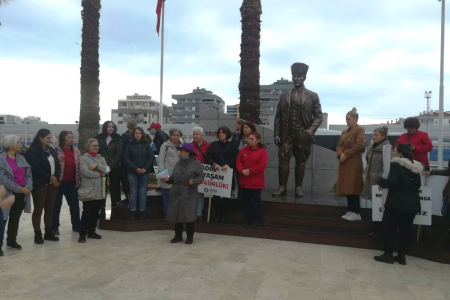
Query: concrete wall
pixel 321 168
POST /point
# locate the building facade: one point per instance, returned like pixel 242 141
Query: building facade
pixel 269 95
pixel 187 108
pixel 141 108
pixel 10 119
pixel 233 110
pixel 32 120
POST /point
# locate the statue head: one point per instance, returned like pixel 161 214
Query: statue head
pixel 299 71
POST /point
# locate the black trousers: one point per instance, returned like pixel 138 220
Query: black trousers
pixel 221 205
pixel 190 227
pixel 354 203
pixel 89 217
pixel 14 218
pixel 124 180
pixel 391 221
pixel 251 198
pixel 114 178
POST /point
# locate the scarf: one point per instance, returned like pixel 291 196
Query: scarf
pixel 92 154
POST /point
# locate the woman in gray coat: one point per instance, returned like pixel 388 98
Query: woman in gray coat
pixel 374 159
pixel 93 172
pixel 15 175
pixel 186 177
pixel 167 159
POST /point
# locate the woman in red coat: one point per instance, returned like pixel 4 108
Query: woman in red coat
pixel 251 163
pixel 419 141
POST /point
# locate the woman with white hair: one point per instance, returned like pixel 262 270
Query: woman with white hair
pixel 15 176
pixel 168 157
pixel 200 148
pixel 91 193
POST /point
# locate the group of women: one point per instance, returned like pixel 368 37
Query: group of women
pixel 409 162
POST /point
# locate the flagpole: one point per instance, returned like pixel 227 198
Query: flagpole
pixel 162 68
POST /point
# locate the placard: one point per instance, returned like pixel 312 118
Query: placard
pixel 216 183
pixel 423 218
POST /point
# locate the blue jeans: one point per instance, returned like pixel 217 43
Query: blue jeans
pixel 68 189
pixel 201 204
pixel 138 190
pixel 445 211
pixel 165 196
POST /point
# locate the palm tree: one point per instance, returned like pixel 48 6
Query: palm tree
pixel 3 2
pixel 250 41
pixel 90 71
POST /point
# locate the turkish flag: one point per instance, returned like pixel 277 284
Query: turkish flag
pixel 158 13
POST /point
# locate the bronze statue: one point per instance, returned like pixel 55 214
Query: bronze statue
pixel 299 115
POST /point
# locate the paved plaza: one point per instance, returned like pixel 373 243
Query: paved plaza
pixel 144 265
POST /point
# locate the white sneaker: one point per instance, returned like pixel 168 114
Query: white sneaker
pixel 346 215
pixel 354 217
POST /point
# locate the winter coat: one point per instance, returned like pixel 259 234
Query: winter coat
pixel 159 138
pixel 40 166
pixel 139 155
pixel 61 159
pixel 126 138
pixel 352 144
pixel 373 169
pixel 167 159
pixel 403 184
pixel 222 153
pixel 111 152
pixel 182 196
pixel 256 161
pixel 7 179
pixel 446 190
pixel 421 141
pixel 91 182
pixel 203 148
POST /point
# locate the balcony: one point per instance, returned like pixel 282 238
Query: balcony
pixel 139 120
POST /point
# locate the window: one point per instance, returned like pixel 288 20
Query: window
pixel 120 114
pixel 145 122
pixel 145 115
pixel 120 122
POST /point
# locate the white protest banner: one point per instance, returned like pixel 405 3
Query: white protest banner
pixel 387 156
pixel 422 218
pixel 216 183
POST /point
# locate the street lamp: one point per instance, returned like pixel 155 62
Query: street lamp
pixel 441 91
pixel 427 96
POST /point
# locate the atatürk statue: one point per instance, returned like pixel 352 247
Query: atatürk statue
pixel 299 115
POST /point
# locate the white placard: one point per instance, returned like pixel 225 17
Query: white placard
pixel 216 183
pixel 163 174
pixel 423 218
pixel 436 184
pixel 387 156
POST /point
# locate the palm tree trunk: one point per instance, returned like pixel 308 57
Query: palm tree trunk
pixel 90 72
pixel 250 41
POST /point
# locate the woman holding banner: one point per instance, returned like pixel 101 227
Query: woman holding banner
pixel 402 203
pixel 186 177
pixel 221 156
pixel 251 164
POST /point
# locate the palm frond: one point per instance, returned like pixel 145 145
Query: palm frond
pixel 3 2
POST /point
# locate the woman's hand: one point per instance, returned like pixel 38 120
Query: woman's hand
pixel 226 167
pixel 413 148
pixel 216 168
pixel 53 180
pixel 93 167
pixel 246 172
pixel 427 173
pixel 26 191
pixel 191 182
pixel 165 179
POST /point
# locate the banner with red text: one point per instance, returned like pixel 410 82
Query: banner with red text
pixel 216 183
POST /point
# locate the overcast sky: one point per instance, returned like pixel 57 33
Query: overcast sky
pixel 377 55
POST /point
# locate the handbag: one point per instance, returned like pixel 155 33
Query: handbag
pixel 86 194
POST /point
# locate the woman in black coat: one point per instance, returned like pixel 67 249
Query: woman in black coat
pixel 46 170
pixel 139 159
pixel 110 147
pixel 222 155
pixel 402 203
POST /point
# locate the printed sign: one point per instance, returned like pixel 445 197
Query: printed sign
pixel 423 218
pixel 216 183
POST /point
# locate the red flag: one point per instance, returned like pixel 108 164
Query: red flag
pixel 158 13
